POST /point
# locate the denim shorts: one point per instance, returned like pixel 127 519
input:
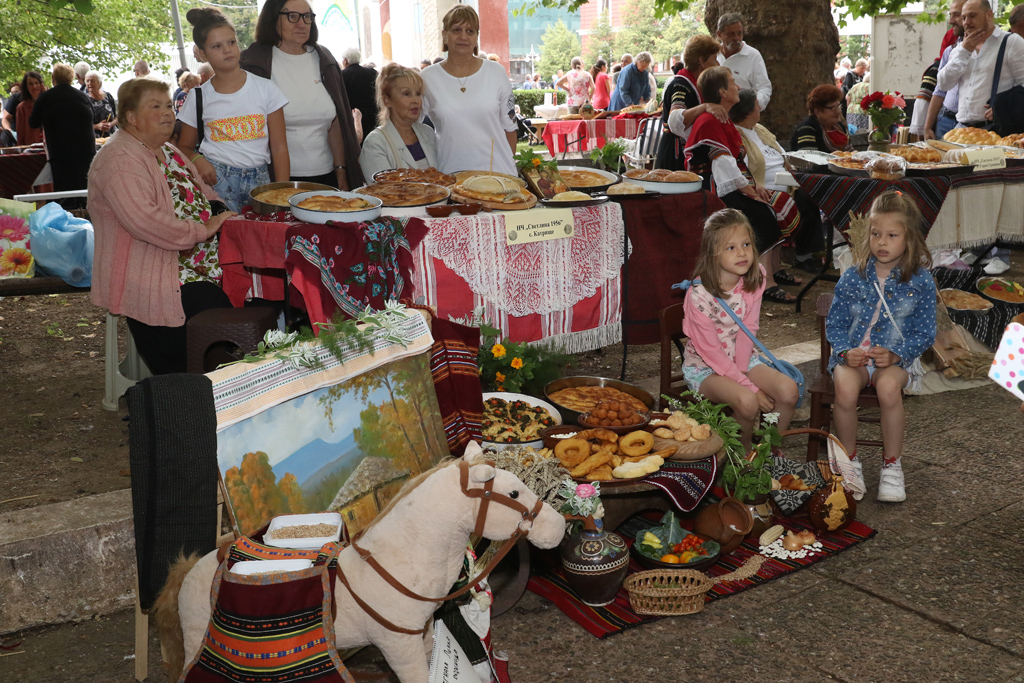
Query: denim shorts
pixel 233 184
pixel 695 375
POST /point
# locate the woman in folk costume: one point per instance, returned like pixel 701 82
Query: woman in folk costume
pixel 716 151
pixel 682 102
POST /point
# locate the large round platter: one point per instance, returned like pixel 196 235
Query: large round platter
pixel 537 443
pixel 854 172
pixel 609 177
pixel 263 208
pixel 1010 294
pixel 664 187
pixel 972 302
pixel 461 176
pixel 531 201
pixel 419 209
pixel 571 416
pixel 413 175
pixel 593 201
pixel 314 216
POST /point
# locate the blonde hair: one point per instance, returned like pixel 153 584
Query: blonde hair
pixel 460 14
pixel 62 74
pixel 130 95
pixel 386 81
pixel 916 254
pixel 716 229
pixel 189 80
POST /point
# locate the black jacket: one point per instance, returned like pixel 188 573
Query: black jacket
pixel 361 84
pixel 65 115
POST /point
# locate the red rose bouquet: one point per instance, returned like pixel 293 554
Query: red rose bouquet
pixel 885 109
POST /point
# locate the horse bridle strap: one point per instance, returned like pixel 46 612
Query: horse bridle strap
pixel 374 613
pixel 486 494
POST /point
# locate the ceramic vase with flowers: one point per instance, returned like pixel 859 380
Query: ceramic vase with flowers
pixel 594 561
pixel 885 110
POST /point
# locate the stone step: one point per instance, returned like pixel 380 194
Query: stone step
pixel 67 561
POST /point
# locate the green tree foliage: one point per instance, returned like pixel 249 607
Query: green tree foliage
pixel 854 47
pixel 243 18
pixel 639 29
pixel 600 42
pixel 558 46
pixel 676 32
pixel 111 36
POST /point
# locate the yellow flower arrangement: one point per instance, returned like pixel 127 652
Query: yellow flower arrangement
pixel 498 350
pixel 517 363
pixel 499 377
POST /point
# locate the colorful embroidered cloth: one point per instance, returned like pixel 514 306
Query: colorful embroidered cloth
pixel 618 616
pixel 686 483
pixel 271 628
pixel 563 291
pixel 252 255
pixel 454 368
pixel 665 234
pixel 986 326
pixel 351 266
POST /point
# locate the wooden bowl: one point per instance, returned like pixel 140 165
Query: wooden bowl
pixel 548 434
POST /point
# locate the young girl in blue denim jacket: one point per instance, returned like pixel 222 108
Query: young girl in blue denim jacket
pixel 881 320
pixel 243 116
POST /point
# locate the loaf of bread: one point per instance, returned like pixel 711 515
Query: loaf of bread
pixel 918 155
pixel 972 136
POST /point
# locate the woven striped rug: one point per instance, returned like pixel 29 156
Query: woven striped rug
pixel 618 616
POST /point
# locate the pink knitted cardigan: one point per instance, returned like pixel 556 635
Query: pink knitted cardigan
pixel 138 237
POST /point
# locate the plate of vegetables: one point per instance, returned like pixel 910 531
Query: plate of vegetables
pixel 516 419
pixel 670 546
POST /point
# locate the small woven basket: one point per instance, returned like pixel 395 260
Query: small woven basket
pixel 675 592
pixel 667 592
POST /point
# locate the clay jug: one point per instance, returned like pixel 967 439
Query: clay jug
pixel 832 507
pixel 594 562
pixel 762 513
pixel 728 521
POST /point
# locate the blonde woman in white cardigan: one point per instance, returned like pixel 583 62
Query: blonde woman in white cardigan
pixel 400 141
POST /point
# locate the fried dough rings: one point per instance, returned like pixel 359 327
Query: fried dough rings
pixel 572 452
pixel 636 443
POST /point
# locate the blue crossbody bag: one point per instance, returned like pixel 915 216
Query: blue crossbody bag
pixel 783 366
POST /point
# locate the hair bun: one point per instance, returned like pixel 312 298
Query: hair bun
pixel 200 15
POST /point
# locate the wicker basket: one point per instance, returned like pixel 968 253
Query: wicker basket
pixel 668 592
pixel 675 592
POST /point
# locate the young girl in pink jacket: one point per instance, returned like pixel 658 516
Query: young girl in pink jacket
pixel 719 361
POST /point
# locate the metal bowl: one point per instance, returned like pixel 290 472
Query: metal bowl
pixel 610 177
pixel 411 209
pixel 570 416
pixel 263 208
pixel 314 216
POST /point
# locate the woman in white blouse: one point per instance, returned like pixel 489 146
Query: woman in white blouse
pixel 400 141
pixel 470 101
pixel 765 159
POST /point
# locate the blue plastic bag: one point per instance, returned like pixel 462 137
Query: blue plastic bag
pixel 62 245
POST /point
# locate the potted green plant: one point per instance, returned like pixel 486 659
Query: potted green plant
pixel 609 157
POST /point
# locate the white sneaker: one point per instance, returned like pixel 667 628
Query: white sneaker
pixel 890 485
pixel 859 467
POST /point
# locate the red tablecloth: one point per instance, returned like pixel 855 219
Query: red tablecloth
pixel 665 235
pixel 18 172
pixel 579 136
pixel 566 291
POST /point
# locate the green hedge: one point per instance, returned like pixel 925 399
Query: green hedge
pixel 528 99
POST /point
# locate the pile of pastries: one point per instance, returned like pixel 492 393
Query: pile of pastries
pixel 973 136
pixel 918 155
pixel 663 175
pixel 602 455
pixel 681 427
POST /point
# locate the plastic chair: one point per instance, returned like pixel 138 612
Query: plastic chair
pixel 241 327
pixel 823 392
pixel 120 374
pixel 670 325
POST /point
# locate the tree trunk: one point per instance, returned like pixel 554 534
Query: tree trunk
pixel 799 42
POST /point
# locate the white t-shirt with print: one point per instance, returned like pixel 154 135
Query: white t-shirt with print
pixel 308 114
pixel 236 124
pixel 466 123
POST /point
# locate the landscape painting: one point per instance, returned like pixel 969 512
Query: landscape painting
pixel 346 448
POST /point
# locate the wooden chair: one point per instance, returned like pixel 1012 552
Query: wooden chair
pixel 670 325
pixel 823 392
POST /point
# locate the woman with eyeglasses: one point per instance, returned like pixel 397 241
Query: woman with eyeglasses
pixel 824 130
pixel 318 109
pixel 469 100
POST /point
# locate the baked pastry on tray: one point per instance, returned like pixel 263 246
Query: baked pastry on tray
pixel 405 194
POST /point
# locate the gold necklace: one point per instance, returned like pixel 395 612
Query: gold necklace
pixel 462 82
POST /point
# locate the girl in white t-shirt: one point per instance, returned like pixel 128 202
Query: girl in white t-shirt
pixel 243 116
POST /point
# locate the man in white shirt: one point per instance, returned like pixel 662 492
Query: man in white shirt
pixel 746 63
pixel 972 64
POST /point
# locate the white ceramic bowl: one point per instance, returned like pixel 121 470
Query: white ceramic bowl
pixel 665 188
pixel 311 543
pixel 313 216
pixel 537 443
pixel 414 210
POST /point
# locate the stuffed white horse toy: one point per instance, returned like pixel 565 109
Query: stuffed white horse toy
pixel 419 539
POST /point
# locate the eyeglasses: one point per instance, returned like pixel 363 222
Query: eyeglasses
pixel 293 17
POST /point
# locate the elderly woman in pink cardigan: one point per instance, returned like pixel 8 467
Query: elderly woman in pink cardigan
pixel 155 220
